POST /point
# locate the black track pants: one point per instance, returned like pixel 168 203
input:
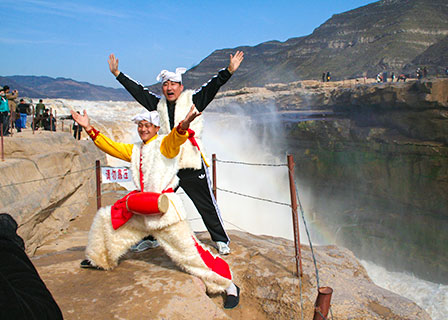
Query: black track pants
pixel 197 185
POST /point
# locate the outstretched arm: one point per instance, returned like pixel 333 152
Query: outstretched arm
pixel 208 91
pixel 113 65
pixel 119 150
pixel 143 96
pixel 170 146
pixel 82 119
pixel 235 61
pixel 192 114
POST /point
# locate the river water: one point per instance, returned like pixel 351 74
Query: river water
pixel 253 189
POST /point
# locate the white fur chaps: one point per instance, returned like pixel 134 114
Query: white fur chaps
pixel 106 245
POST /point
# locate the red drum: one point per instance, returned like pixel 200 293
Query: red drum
pixel 143 203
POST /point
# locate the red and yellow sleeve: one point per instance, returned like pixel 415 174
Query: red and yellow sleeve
pixel 118 150
pixel 170 146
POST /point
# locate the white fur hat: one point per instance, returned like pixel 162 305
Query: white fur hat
pixel 150 116
pixel 166 75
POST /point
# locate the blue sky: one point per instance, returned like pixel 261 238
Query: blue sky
pixel 73 39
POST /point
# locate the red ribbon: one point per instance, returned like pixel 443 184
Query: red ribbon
pixel 191 134
pixel 216 264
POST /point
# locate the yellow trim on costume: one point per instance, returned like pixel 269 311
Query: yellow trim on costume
pixel 205 161
pixel 170 145
pixel 118 150
pixel 180 218
pixel 153 138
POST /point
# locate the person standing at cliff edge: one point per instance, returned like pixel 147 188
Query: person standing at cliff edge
pixel 172 108
pixel 154 207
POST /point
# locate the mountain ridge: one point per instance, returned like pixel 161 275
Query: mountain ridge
pixel 384 36
pixel 60 87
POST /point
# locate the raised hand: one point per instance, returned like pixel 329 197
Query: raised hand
pixel 192 114
pixel 83 120
pixel 113 65
pixel 235 61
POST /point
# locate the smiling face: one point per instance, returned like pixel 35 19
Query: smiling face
pixel 146 130
pixel 172 90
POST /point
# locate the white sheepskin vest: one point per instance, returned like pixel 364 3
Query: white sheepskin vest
pixel 189 156
pixel 159 174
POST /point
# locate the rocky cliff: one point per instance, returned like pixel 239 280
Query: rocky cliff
pixel 148 285
pixel 382 36
pixel 376 159
pixel 47 178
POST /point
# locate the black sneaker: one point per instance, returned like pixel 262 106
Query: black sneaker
pixel 86 264
pixel 231 300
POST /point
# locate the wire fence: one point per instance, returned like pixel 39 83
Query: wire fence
pixel 53 207
pixel 283 204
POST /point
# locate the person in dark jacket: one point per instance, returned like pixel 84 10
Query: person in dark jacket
pixel 76 129
pixel 24 109
pixel 4 112
pixel 23 294
pixel 172 107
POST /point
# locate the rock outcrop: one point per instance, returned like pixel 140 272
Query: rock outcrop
pixel 375 157
pixel 47 178
pixel 149 285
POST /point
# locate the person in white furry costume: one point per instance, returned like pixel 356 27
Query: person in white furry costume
pixel 154 208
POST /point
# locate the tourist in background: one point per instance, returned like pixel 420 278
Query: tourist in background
pixel 24 109
pixel 76 129
pixel 40 108
pixel 48 121
pixel 12 104
pixel 4 112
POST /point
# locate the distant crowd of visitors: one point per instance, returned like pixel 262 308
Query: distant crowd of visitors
pixel 420 73
pixel 14 115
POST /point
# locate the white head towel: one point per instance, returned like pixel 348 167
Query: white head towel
pixel 166 75
pixel 150 116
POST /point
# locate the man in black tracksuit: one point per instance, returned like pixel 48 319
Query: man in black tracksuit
pixel 194 181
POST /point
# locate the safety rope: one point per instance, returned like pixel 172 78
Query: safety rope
pixel 253 197
pixel 308 235
pixel 252 164
pixel 47 178
pixel 320 313
pixel 288 205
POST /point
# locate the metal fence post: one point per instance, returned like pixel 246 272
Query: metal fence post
pixel 295 219
pixel 98 183
pixel 322 305
pixel 214 173
pixel 33 122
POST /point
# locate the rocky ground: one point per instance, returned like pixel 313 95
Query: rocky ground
pixel 148 285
